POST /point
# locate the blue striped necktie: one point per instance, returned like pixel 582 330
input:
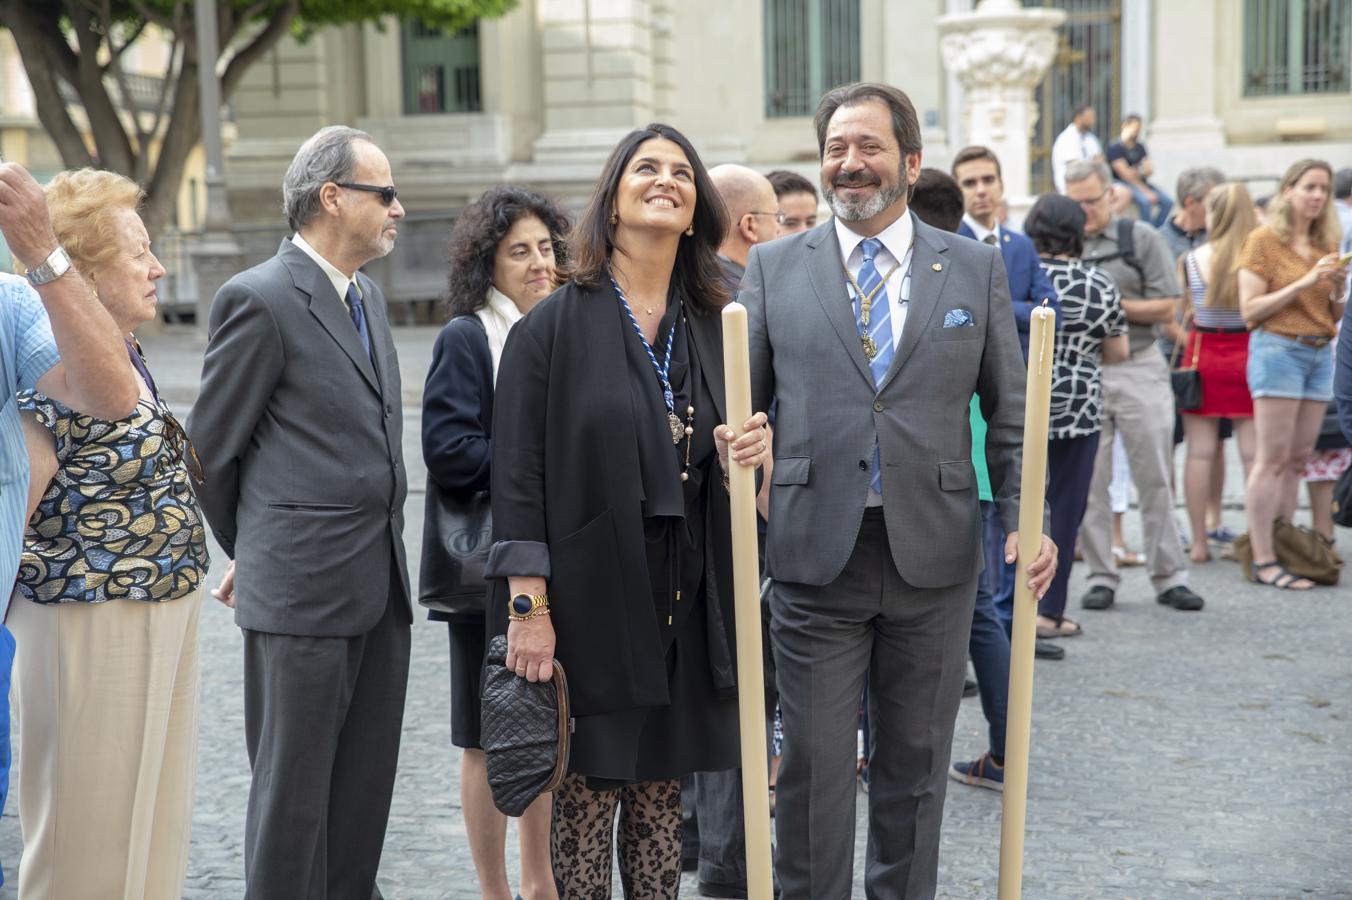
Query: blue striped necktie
pixel 879 329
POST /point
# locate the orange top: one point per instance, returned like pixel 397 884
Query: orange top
pixel 1309 314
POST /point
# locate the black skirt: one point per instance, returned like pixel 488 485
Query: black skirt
pixel 468 645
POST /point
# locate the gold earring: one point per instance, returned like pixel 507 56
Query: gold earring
pixel 614 219
pixel 690 232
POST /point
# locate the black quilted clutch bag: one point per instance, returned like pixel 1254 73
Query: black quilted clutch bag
pixel 525 731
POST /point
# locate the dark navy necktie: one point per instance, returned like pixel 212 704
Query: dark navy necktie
pixel 358 313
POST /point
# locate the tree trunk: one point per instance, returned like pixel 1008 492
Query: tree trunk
pixel 34 35
pixel 182 135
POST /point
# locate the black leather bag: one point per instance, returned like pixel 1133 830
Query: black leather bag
pixel 457 534
pixel 1187 383
pixel 1342 499
pixel 1331 435
pixel 526 730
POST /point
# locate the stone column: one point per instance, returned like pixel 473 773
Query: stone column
pixel 1185 129
pixel 598 76
pixel 999 53
pixel 215 254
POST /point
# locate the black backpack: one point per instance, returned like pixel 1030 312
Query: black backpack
pixel 1126 250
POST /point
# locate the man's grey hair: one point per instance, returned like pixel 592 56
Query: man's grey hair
pixel 1342 184
pixel 326 156
pixel 1198 182
pixel 1078 170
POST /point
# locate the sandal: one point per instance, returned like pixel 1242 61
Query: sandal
pixel 1127 558
pixel 1060 627
pixel 1284 580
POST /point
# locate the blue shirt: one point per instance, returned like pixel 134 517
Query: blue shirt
pixel 27 352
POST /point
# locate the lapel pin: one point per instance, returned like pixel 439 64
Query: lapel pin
pixel 938 267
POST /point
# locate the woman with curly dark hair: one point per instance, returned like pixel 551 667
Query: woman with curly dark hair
pixel 504 251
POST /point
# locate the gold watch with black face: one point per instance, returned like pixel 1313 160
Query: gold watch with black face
pixel 527 606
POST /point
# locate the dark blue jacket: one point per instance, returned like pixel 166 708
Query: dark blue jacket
pixel 1342 377
pixel 457 416
pixel 1028 283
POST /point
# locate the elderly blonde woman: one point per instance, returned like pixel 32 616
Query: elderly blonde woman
pixel 106 605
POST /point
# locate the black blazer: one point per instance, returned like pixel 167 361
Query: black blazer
pixel 567 500
pixel 457 418
pixel 457 415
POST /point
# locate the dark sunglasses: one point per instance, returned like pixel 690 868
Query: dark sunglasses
pixel 387 194
pixel 181 446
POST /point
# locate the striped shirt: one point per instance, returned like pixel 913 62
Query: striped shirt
pixel 1203 315
pixel 27 352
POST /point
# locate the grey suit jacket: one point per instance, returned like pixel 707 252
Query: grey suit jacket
pixel 806 355
pixel 300 441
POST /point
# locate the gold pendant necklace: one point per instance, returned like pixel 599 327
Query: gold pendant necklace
pixel 866 304
pixel 865 307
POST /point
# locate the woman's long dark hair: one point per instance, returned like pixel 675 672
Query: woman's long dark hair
pixel 478 231
pixel 697 276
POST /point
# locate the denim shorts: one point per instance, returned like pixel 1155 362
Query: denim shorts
pixel 1283 367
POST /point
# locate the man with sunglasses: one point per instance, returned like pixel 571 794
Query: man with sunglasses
pixel 298 427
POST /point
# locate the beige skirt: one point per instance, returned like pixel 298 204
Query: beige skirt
pixel 105 697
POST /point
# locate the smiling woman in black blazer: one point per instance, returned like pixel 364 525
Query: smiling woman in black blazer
pixel 504 249
pixel 611 512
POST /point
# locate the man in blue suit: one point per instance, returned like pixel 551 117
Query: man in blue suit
pixel 976 169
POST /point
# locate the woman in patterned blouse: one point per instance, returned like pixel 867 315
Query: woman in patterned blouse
pixel 106 606
pixel 1092 331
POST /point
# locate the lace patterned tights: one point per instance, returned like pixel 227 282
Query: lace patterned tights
pixel 649 840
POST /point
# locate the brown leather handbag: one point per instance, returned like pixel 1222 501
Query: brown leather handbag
pixel 1300 550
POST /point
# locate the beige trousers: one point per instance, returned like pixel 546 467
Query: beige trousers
pixel 1138 404
pixel 106 701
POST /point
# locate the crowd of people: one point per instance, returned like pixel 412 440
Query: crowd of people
pixel 577 392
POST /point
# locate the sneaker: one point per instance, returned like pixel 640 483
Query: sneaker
pixel 1099 597
pixel 981 772
pixel 1180 598
pixel 1222 535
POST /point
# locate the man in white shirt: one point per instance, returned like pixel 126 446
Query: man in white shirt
pixel 1078 141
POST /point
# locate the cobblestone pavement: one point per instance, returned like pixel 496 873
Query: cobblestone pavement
pixel 1174 755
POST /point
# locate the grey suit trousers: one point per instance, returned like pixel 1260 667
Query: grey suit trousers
pixel 322 720
pixel 911 644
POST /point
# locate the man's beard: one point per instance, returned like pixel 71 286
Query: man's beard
pixel 867 208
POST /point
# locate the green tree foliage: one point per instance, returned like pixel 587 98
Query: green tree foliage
pixel 72 51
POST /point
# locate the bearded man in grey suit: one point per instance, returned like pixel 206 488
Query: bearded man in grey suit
pixel 298 427
pixel 872 332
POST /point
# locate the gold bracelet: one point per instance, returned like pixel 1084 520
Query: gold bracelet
pixel 533 614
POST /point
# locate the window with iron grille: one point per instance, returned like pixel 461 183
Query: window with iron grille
pixel 811 46
pixel 1297 47
pixel 441 70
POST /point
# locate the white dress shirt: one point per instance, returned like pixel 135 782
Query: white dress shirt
pixel 980 231
pixel 1072 144
pixel 896 240
pixel 339 280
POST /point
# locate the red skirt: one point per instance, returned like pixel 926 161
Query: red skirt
pixel 1222 361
